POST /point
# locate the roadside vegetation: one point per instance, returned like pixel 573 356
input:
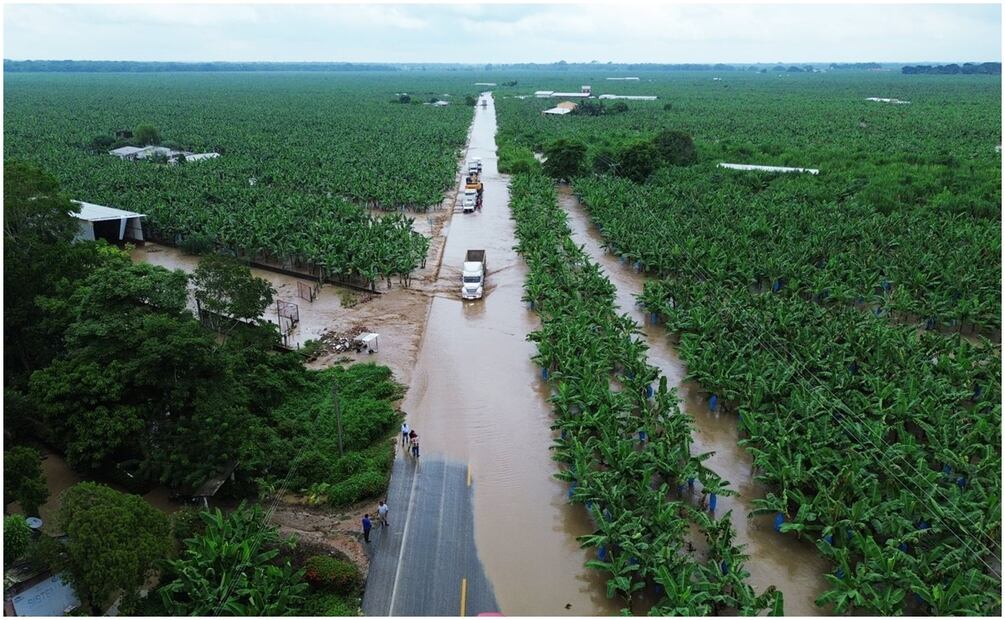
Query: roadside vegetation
pixel 106 365
pixel 851 320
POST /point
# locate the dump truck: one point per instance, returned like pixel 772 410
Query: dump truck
pixel 473 275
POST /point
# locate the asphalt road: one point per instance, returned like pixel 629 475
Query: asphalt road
pixel 425 562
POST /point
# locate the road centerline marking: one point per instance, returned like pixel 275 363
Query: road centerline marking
pixel 469 474
pixel 464 594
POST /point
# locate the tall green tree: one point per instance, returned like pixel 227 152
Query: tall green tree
pixel 113 542
pixel 141 380
pixel 226 288
pixel 16 539
pixel 38 260
pixel 565 159
pixel 146 134
pixel 675 147
pixel 232 569
pixel 23 479
pixel 637 161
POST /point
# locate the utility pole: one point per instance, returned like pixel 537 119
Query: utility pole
pixel 338 416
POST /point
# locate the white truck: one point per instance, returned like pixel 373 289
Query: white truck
pixel 469 201
pixel 473 275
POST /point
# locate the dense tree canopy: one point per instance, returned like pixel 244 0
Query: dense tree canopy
pixel 23 480
pixel 113 542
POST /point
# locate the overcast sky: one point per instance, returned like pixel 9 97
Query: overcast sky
pixel 474 33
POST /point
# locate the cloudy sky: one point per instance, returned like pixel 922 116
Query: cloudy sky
pixel 580 32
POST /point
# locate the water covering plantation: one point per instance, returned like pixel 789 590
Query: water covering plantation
pixel 302 156
pixel 849 320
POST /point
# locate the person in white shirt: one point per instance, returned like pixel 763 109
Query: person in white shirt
pixel 404 433
pixel 382 511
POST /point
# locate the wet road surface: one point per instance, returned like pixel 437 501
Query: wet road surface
pixel 792 566
pixel 475 397
pixel 424 563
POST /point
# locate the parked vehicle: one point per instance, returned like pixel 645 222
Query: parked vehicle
pixel 470 200
pixel 473 275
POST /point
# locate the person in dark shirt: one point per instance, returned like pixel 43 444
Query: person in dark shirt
pixel 366 527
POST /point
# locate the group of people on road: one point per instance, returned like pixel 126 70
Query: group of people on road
pixel 382 510
pixel 410 439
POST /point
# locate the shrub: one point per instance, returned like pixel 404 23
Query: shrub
pixel 146 134
pixel 327 604
pixel 327 573
pixel 23 480
pixel 357 487
pixel 16 539
pixel 187 523
pixel 197 244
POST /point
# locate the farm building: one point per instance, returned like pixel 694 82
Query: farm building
pixel 113 225
pixel 133 153
pixel 623 78
pixel 126 152
pixel 485 83
pixel 885 100
pixel 441 103
pixel 768 168
pixel 563 108
pixel 632 97
pixel 585 91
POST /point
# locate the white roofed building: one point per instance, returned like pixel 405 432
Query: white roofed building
pixel 633 97
pixel 113 225
pixel 768 168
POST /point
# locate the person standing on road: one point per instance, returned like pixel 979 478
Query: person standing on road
pixel 404 433
pixel 382 511
pixel 367 524
pixel 415 446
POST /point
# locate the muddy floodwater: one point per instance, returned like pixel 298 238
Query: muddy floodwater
pixel 794 567
pixel 476 396
pixel 59 477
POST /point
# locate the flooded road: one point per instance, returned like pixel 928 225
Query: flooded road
pixel 475 397
pixel 792 566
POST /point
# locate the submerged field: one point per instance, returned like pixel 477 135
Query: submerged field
pixel 299 155
pixel 851 319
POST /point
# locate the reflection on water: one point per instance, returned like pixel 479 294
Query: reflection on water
pixel 794 567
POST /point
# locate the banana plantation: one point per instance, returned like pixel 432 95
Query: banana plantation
pixel 302 158
pixel 850 321
pixel 625 450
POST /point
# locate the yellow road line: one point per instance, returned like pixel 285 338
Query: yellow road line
pixel 469 474
pixel 464 594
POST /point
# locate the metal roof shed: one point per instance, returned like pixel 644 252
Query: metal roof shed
pixel 100 222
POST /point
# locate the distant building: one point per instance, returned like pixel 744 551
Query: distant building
pixel 885 100
pixel 441 103
pixel 634 97
pixel 623 78
pixel 568 105
pixel 133 153
pixel 543 93
pixel 768 168
pixel 113 225
pixel 126 152
pixel 557 111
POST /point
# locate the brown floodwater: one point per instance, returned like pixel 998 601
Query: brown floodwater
pixel 59 477
pixel 794 567
pixel 476 396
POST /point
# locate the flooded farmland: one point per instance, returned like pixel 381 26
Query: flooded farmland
pixel 792 566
